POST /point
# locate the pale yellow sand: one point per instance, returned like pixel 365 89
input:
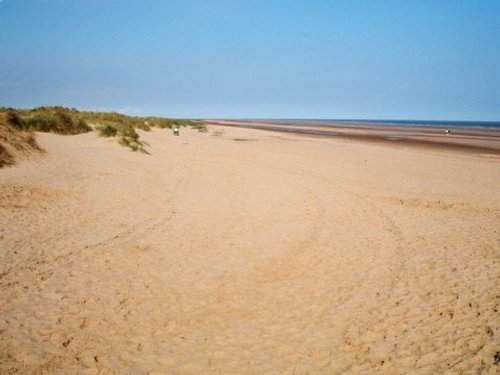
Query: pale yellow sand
pixel 249 252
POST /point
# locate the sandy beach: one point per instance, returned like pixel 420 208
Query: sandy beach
pixel 482 140
pixel 244 251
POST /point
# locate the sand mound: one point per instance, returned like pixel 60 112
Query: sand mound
pixel 15 145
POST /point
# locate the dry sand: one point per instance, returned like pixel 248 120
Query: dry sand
pixel 249 252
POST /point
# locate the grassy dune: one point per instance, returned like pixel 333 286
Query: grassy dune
pixel 15 143
pixel 17 127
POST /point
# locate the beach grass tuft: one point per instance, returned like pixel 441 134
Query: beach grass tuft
pixel 130 138
pixel 107 130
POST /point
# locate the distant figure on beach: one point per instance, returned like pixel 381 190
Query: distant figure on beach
pixel 176 130
pixel 447 132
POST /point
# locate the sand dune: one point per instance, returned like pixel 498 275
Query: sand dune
pixel 247 252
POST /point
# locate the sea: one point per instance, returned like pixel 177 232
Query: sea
pixel 493 125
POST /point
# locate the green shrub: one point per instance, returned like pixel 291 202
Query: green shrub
pixel 44 120
pixel 107 130
pixel 66 124
pixel 42 123
pixel 15 120
pixel 130 138
pixel 82 126
pixel 129 133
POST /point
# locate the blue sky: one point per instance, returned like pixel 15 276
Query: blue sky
pixel 371 59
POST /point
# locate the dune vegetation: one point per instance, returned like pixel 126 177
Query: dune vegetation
pixel 17 127
pixel 15 142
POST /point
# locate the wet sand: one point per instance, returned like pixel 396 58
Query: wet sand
pixel 463 139
pixel 243 251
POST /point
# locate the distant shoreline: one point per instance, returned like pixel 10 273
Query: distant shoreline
pixel 453 124
pixel 472 139
pixel 421 123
